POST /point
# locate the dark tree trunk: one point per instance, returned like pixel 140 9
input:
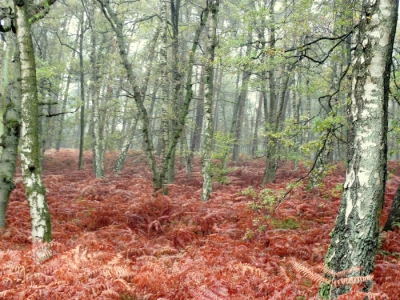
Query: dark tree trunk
pixel 394 214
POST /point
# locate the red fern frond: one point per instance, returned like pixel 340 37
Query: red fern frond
pixel 309 273
pixel 352 280
pixel 340 273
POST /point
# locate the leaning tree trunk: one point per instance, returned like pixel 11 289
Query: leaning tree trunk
pixel 126 143
pixel 10 138
pixel 184 111
pixel 34 189
pixel 208 99
pixel 158 177
pixel 117 27
pixel 354 239
pixel 132 126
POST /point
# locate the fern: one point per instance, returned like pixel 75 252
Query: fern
pixel 115 240
pixel 309 273
pixel 335 281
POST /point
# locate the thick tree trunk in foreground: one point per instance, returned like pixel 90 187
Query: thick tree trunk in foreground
pixel 31 176
pixel 9 140
pixel 208 100
pixel 354 239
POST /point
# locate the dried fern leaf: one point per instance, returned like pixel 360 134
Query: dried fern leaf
pixel 309 273
pixel 246 268
pixel 41 251
pixel 352 280
pixel 340 273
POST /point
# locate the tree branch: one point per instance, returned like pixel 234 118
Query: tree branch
pixel 61 113
pixel 40 11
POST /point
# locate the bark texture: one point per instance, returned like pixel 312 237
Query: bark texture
pixel 31 174
pixel 9 140
pixel 95 99
pixel 354 239
pixel 132 128
pixel 208 103
pixel 158 176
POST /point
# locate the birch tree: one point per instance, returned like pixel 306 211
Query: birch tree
pixel 208 102
pixel 354 239
pixel 132 128
pixel 95 96
pixel 158 174
pixel 11 118
pixel 31 174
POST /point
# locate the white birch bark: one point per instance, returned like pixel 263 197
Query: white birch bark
pixel 354 239
pixel 94 96
pixel 31 174
pixel 10 136
pixel 208 103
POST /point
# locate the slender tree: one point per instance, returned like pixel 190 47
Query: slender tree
pixel 208 101
pixel 82 94
pixel 158 175
pixel 132 128
pixel 95 96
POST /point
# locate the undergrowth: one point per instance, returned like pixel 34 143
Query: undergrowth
pixel 114 239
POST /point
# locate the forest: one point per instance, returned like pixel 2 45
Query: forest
pixel 199 149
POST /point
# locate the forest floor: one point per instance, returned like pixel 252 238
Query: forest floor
pixel 115 239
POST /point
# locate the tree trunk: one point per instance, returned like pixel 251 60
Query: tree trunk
pixel 4 86
pixel 354 239
pixel 208 101
pixel 270 105
pixel 31 176
pixel 276 115
pixel 65 97
pixel 238 118
pixel 255 142
pixel 158 177
pixel 125 147
pixel 10 137
pixel 198 126
pixel 95 99
pixel 176 70
pixel 394 214
pixel 183 112
pixel 82 96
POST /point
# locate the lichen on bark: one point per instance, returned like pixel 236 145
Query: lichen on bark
pixel 354 239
